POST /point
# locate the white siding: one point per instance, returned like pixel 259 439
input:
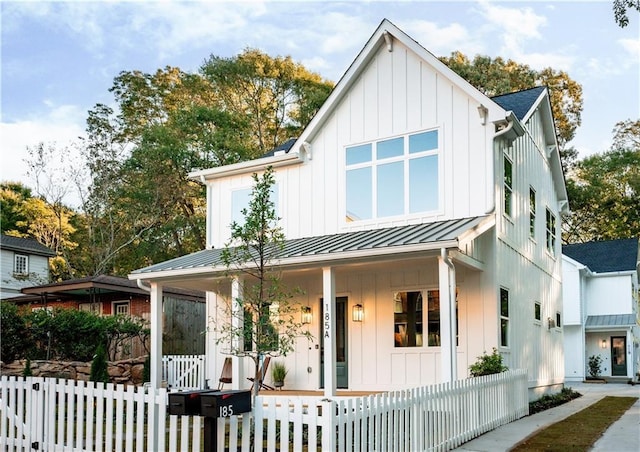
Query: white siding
pixel 38 273
pixel 572 281
pixel 609 295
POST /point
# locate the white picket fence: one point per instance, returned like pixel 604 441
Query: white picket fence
pixel 50 414
pixel 184 372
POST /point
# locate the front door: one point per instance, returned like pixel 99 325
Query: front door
pixel 618 356
pixel 342 376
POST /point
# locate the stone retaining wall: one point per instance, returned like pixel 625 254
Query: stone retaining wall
pixel 127 372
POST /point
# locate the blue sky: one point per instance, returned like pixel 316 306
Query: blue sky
pixel 59 58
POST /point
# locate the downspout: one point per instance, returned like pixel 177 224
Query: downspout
pixel 452 312
pixel 143 286
pixel 491 170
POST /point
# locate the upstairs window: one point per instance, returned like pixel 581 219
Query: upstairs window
pixel 551 232
pixel 508 186
pixel 21 264
pixel 392 177
pixel 532 213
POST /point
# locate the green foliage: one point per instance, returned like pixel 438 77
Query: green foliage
pixel 14 334
pixel 603 196
pixel 279 371
pixel 488 364
pixel 99 366
pixel 75 334
pixel 620 12
pixel 595 363
pixel 26 372
pixel 12 195
pixel 146 370
pixel 267 317
pixel 553 400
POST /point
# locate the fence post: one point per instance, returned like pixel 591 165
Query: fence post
pixel 328 425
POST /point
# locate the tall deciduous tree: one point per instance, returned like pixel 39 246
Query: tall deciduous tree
pixel 268 320
pixel 277 95
pixel 621 10
pixel 497 76
pixel 604 191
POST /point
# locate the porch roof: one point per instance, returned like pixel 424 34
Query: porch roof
pixel 610 321
pixel 337 247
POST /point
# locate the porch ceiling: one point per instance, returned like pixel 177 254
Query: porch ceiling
pixel 344 248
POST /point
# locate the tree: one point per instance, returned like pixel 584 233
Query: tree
pixel 497 76
pixel 604 190
pixel 277 95
pixel 620 8
pixel 264 320
pixel 12 195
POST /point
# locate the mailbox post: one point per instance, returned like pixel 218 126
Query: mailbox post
pixel 212 405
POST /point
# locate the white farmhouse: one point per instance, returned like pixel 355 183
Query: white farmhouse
pixel 422 222
pixel 24 263
pixel 600 293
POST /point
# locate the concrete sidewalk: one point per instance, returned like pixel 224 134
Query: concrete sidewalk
pixel 622 436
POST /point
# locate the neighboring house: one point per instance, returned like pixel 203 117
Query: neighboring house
pixel 600 295
pixel 429 212
pixel 183 310
pixel 24 262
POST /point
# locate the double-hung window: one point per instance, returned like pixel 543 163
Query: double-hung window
pixel 392 177
pixel 504 317
pixel 508 186
pixel 551 232
pixel 532 213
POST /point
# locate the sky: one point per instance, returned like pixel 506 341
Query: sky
pixel 59 59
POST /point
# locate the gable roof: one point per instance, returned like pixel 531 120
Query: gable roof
pixel 336 247
pixel 605 256
pixel 520 102
pixel 26 245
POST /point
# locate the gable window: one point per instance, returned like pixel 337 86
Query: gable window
pixel 551 232
pixel 392 177
pixel 508 186
pixel 21 264
pixel 537 311
pixel 532 213
pixel 504 317
pixel 240 201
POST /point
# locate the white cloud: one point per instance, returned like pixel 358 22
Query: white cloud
pixel 441 41
pixel 517 23
pixel 60 125
pixel 632 47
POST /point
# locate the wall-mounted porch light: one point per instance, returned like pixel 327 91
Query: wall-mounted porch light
pixel 603 344
pixel 306 316
pixel 357 313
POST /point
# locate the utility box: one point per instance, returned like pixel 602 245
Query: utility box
pixel 186 403
pixel 225 403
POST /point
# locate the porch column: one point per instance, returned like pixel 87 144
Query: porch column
pixel 329 331
pixel 447 286
pixel 237 321
pixel 210 346
pixel 156 335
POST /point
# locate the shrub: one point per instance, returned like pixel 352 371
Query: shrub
pixel 99 367
pixel 14 335
pixel 27 369
pixel 488 364
pixel 550 401
pixel 595 361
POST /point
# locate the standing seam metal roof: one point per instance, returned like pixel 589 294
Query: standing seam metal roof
pixel 424 233
pixel 613 320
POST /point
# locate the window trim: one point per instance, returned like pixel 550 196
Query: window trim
pixel 115 304
pixel 374 163
pixel 18 257
pixel 532 212
pixel 537 306
pixel 558 320
pixel 550 233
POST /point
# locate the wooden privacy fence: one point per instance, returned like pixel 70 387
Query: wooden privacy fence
pixel 184 372
pixel 50 414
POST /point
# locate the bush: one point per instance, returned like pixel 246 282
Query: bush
pixel 14 334
pixel 550 401
pixel 488 364
pixel 27 369
pixel 99 366
pixel 595 361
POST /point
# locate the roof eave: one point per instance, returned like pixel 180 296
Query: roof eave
pixel 249 166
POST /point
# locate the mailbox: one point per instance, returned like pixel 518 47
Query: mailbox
pixel 186 403
pixel 225 403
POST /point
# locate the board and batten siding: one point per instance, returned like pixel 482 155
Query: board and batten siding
pixel 524 265
pixel 397 93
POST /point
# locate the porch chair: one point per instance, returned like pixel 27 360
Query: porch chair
pixel 262 372
pixel 225 376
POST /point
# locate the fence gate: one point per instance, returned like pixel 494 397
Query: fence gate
pixel 22 420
